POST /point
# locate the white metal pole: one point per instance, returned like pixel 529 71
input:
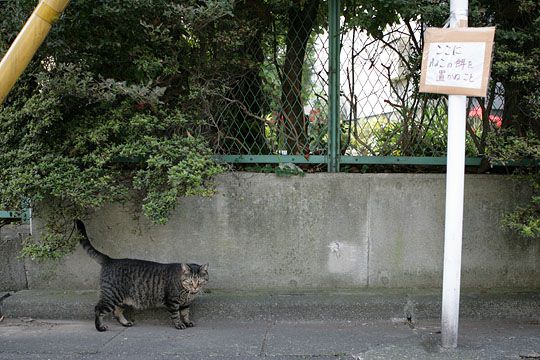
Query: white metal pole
pixel 455 176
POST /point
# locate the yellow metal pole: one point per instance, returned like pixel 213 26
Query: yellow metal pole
pixel 27 42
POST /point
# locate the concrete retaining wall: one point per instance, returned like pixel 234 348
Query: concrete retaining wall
pixel 12 270
pixel 321 231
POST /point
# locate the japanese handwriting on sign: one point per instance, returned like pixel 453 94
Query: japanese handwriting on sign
pixel 455 64
pixel 457 61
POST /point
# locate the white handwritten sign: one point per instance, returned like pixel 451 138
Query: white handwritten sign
pixel 457 61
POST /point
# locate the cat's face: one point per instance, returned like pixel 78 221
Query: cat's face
pixel 194 277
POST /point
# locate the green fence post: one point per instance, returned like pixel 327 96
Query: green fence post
pixel 333 86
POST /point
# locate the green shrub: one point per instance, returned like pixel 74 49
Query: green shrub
pixel 109 110
pixel 524 151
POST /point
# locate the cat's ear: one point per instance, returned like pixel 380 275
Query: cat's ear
pixel 185 268
pixel 204 268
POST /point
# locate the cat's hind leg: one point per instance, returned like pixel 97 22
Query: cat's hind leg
pixel 100 311
pixel 118 313
pixel 103 307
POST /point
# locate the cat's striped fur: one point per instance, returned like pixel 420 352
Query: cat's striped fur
pixel 143 284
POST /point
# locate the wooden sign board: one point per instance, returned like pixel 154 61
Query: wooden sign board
pixel 457 61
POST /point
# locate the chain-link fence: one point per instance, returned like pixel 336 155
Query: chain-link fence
pixel 280 111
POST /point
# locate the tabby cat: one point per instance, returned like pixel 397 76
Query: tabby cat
pixel 143 284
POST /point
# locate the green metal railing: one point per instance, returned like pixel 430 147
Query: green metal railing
pixel 336 96
pixel 333 86
pixel 22 215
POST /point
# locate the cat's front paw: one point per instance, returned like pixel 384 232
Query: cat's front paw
pixel 127 324
pixel 180 326
pixel 190 324
pixel 101 328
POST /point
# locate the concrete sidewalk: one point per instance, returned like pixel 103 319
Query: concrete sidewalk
pixel 374 324
pixel 223 339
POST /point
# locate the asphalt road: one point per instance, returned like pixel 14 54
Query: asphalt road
pixel 25 338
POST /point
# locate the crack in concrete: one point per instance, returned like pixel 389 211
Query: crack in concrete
pixel 265 339
pixel 114 337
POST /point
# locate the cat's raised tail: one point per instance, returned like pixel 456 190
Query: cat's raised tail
pixel 85 242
